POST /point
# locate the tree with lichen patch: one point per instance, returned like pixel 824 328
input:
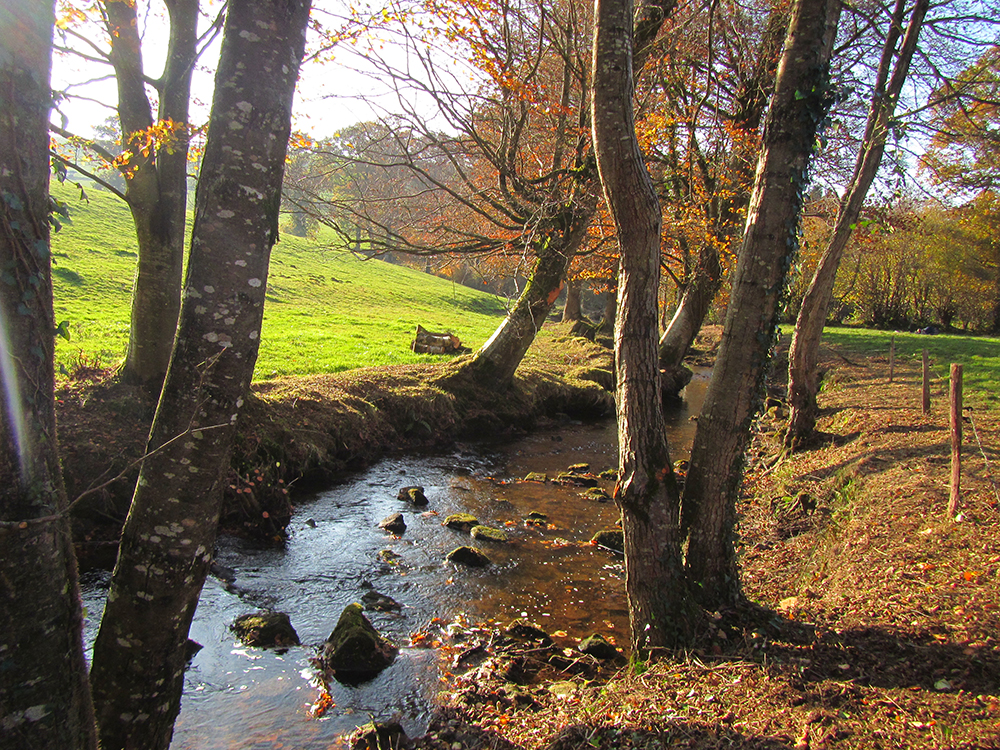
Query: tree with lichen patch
pixel 44 696
pixel 167 542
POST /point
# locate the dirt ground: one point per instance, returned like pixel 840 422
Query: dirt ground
pixel 879 614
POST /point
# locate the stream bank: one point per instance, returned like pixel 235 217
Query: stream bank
pixel 298 434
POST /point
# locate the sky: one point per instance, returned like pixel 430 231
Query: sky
pixel 330 95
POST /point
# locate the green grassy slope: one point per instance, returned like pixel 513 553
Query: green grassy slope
pixel 978 355
pixel 327 311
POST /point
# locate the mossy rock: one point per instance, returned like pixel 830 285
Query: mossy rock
pixel 596 493
pixel 609 474
pixel 488 533
pixel 579 480
pixel 597 646
pixel 534 518
pixel 265 630
pixel 413 495
pixel 388 556
pixel 578 469
pixel 526 631
pixel 380 735
pixel 394 524
pixel 536 476
pixel 461 521
pixel 470 556
pixel 673 380
pixel 603 377
pixel 355 651
pixel 612 539
pixel 373 600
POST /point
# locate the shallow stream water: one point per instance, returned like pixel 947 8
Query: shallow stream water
pixel 239 697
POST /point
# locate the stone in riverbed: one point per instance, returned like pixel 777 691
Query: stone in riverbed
pixel 413 495
pixel 534 518
pixel 578 469
pixel 265 630
pixel 612 539
pixel 380 602
pixel 470 556
pixel 596 493
pixel 394 524
pixel 597 646
pixel 379 736
pixel 355 652
pixel 461 521
pixel 579 480
pixel 536 476
pixel 526 631
pixel 488 533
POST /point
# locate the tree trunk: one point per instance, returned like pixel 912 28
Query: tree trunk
pixel 691 312
pixel 167 542
pixel 798 106
pixel 803 357
pixel 572 311
pixel 730 205
pixel 497 360
pixel 156 188
pixel 607 325
pixel 44 695
pixel 647 491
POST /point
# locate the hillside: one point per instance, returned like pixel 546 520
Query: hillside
pixel 327 310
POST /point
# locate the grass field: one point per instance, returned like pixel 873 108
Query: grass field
pixel 326 310
pixel 978 355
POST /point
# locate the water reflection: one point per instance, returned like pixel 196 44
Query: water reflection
pixel 236 697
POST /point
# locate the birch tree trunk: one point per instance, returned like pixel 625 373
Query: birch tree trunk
pixel 647 494
pixel 44 695
pixel 798 107
pixel 803 357
pixel 167 541
pixel 156 184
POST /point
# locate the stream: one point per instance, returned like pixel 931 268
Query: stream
pixel 240 697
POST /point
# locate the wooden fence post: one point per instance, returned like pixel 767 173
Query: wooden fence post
pixel 956 438
pixel 926 383
pixel 892 356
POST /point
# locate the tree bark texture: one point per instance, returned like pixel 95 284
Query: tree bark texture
pixel 803 357
pixel 694 305
pixel 798 107
pixel 156 181
pixel 44 695
pixel 647 491
pixel 167 541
